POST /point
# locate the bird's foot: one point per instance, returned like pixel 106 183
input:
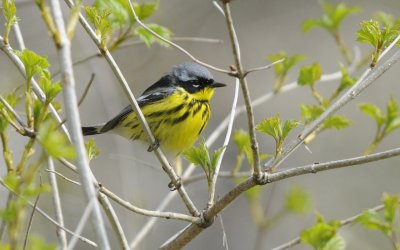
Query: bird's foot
pixel 153 146
pixel 175 185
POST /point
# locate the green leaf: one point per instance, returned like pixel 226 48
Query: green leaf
pixel 392 110
pixel 346 81
pixel 393 125
pixel 391 203
pixel 371 32
pixel 99 19
pixel 331 19
pixel 373 221
pixel 91 149
pixel 33 63
pixel 309 74
pixel 386 19
pixel 310 112
pixel 50 89
pixel 320 234
pixel 242 140
pixel 149 38
pixel 336 243
pixel 337 122
pixel 215 156
pixel 37 108
pixel 119 11
pixel 288 126
pixel 12 99
pixel 282 68
pixel 198 156
pixel 297 200
pixel 12 181
pixel 54 142
pixel 271 126
pixel 145 10
pixel 374 112
pixel 9 11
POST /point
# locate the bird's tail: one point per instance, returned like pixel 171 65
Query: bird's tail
pixel 93 130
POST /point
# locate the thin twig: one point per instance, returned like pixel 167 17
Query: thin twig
pixel 82 222
pixel 12 111
pixel 128 205
pixel 71 108
pixel 62 237
pixel 31 219
pixel 121 79
pixel 64 177
pixel 190 232
pixel 176 39
pixel 165 215
pixel 46 216
pixel 175 45
pixel 344 222
pixel 225 144
pixel 246 94
pixel 263 67
pixel 113 218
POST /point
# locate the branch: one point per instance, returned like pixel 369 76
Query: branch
pixel 165 215
pixel 190 232
pixel 62 238
pixel 246 95
pixel 72 112
pixel 121 79
pixel 46 216
pixel 35 87
pixel 128 205
pixel 113 218
pixel 344 222
pixel 367 78
pixel 226 141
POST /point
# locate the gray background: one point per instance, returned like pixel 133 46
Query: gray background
pixel 263 27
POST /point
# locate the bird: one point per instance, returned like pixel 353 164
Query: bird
pixel 176 108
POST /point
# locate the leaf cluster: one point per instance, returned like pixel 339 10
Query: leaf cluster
pixel 323 235
pixel 379 37
pixel 281 69
pixel 386 222
pixel 114 22
pixel 200 156
pixel 274 127
pixel 331 19
pixel 385 123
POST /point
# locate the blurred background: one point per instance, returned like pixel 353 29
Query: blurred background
pixel 263 28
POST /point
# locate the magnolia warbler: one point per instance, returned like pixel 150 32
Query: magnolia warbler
pixel 176 108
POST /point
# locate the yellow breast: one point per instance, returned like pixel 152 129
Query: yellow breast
pixel 176 121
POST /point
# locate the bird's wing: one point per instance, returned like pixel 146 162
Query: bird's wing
pixel 148 97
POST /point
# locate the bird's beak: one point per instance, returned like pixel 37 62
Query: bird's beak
pixel 217 85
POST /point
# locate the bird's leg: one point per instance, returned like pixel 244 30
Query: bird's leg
pixel 175 185
pixel 153 146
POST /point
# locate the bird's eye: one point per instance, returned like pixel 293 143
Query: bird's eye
pixel 196 85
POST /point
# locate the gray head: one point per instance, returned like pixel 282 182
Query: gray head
pixel 193 77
